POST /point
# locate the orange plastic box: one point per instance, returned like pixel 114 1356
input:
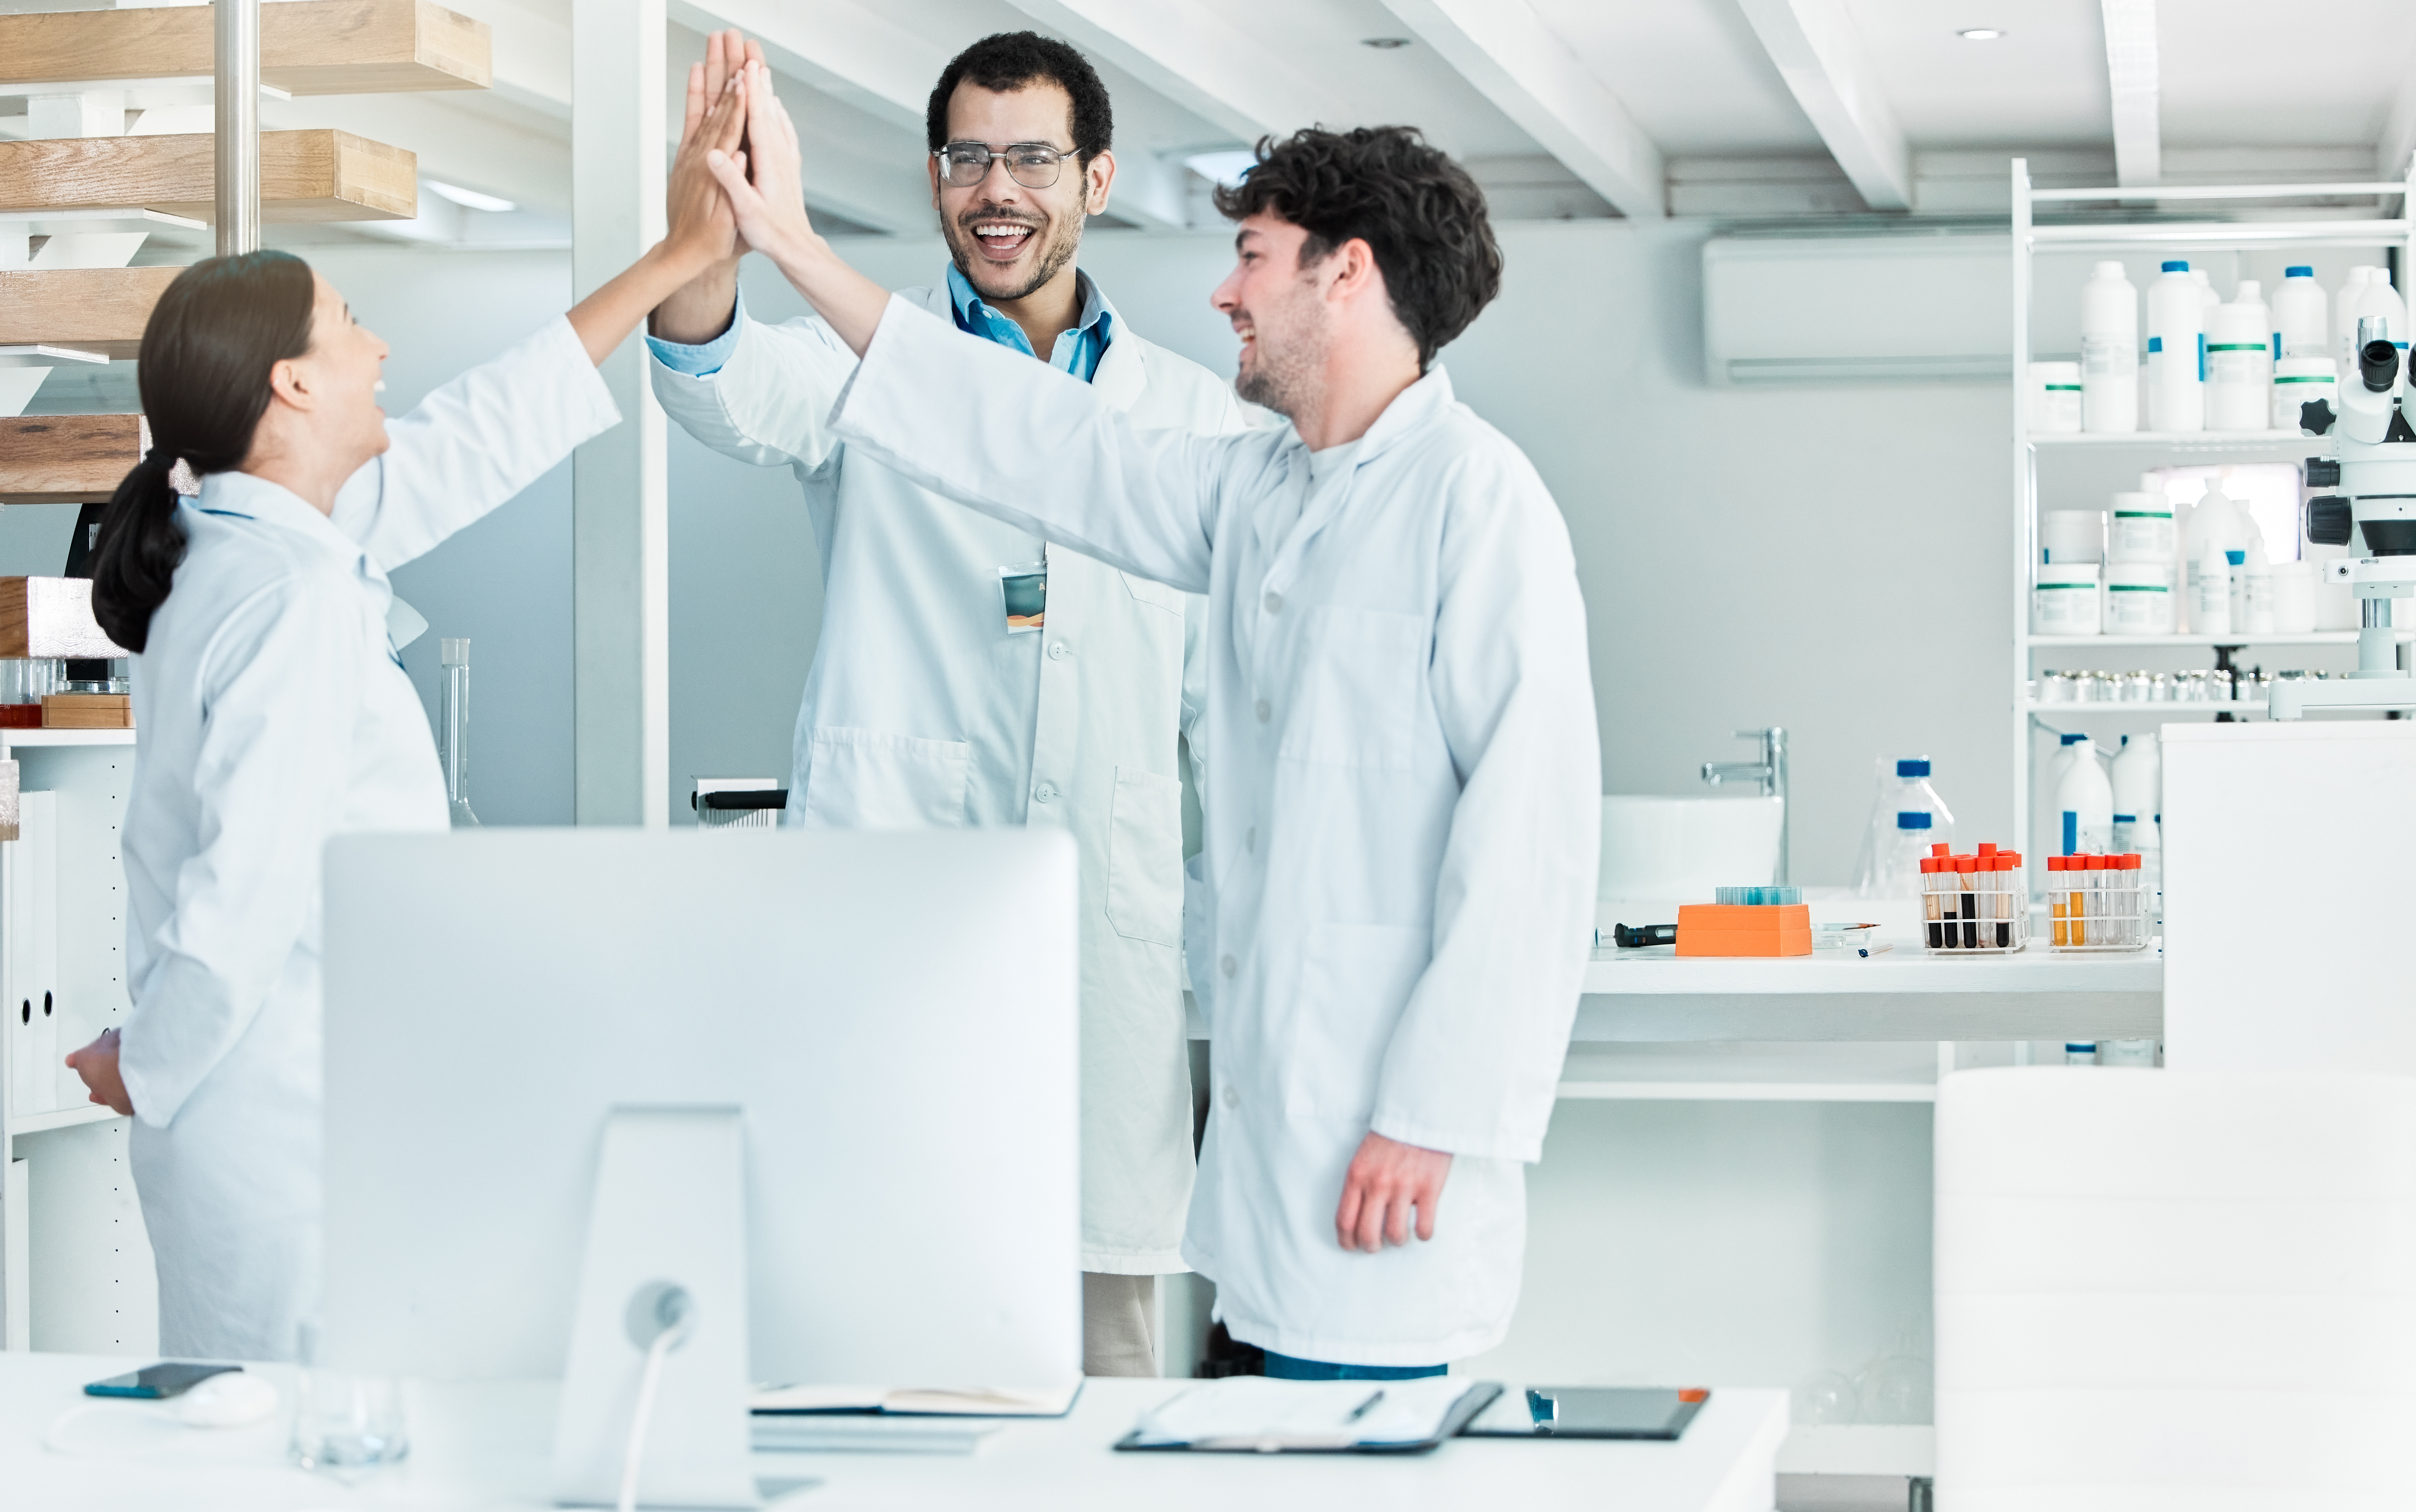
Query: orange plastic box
pixel 1744 930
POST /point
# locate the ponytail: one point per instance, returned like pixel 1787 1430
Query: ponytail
pixel 206 353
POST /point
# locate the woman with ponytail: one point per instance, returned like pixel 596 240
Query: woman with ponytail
pixel 273 713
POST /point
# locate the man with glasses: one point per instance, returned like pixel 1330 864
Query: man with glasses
pixel 968 673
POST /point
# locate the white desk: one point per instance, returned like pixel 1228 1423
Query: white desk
pixel 486 1447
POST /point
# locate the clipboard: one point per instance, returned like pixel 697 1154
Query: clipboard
pixel 1462 1411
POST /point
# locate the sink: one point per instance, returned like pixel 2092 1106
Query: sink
pixel 1680 849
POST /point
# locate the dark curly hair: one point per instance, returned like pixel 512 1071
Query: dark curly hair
pixel 1417 210
pixel 1008 61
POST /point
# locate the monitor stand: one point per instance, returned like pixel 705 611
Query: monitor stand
pixel 670 1213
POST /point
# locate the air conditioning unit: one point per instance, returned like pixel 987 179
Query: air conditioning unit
pixel 1858 309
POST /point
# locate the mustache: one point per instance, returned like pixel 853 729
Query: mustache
pixel 974 218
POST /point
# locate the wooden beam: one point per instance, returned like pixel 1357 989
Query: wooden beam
pixel 307 47
pixel 68 459
pixel 92 309
pixel 304 175
pixel 1820 53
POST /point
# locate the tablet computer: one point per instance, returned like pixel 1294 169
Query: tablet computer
pixel 1588 1413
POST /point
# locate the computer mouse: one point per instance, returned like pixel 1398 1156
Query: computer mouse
pixel 234 1399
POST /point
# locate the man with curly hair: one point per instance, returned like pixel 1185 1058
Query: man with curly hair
pixel 1401 845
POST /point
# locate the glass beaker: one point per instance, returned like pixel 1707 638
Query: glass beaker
pixel 348 1425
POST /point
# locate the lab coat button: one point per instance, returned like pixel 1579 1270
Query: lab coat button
pixel 1229 965
pixel 1233 1095
pixel 1266 711
pixel 1275 603
pixel 1057 651
pixel 1045 792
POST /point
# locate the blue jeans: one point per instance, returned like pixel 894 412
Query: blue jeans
pixel 1285 1367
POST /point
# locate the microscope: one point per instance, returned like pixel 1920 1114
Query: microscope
pixel 2374 470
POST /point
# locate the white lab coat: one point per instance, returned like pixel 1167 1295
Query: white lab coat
pixel 921 709
pixel 1401 845
pixel 272 713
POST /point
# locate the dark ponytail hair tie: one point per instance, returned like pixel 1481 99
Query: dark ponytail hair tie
pixel 162 457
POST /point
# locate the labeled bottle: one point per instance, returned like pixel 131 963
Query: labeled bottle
pixel 2137 782
pixel 2084 801
pixel 1903 790
pixel 2344 351
pixel 2240 363
pixel 2109 351
pixel 2176 351
pixel 2382 315
pixel 2300 329
pixel 2214 523
pixel 2256 589
pixel 2210 593
pixel 2235 574
pixel 2055 398
pixel 453 730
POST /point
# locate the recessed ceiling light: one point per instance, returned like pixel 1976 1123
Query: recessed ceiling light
pixel 467 198
pixel 1981 34
pixel 1384 44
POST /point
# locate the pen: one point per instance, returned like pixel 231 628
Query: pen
pixel 1361 1411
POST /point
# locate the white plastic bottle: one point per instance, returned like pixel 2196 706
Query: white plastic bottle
pixel 2256 589
pixel 2137 781
pixel 2207 298
pixel 2299 326
pixel 2377 302
pixel 2084 801
pixel 2109 351
pixel 2042 812
pixel 2210 593
pixel 2217 524
pixel 2176 351
pixel 2345 317
pixel 2240 363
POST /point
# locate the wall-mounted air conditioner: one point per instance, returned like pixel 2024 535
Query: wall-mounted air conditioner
pixel 1858 309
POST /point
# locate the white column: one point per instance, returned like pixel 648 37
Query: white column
pixel 620 540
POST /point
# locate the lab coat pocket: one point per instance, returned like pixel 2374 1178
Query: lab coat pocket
pixel 1354 689
pixel 1145 858
pixel 1356 979
pixel 1170 599
pixel 872 780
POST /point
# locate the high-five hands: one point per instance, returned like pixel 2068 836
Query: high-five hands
pixel 701 226
pixel 764 181
pixel 1386 1180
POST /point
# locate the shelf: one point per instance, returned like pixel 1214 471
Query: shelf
pixel 93 309
pixel 68 459
pixel 1752 1073
pixel 2194 441
pixel 62 1118
pixel 307 47
pixel 314 176
pixel 2214 234
pixel 2046 643
pixel 10 738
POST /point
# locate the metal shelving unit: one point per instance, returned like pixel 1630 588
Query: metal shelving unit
pixel 2292 230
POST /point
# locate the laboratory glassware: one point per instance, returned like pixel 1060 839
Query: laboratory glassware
pixel 453 730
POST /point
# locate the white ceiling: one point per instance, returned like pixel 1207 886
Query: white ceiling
pixel 1685 89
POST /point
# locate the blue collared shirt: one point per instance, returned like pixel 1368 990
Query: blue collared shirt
pixel 1076 352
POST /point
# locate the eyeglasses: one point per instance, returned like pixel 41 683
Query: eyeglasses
pixel 1031 164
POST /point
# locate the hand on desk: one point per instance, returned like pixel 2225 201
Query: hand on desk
pixel 96 1062
pixel 1386 1179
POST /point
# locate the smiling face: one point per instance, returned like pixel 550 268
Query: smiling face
pixel 1009 240
pixel 1279 310
pixel 340 376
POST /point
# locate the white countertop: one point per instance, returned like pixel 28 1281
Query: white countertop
pixel 487 1446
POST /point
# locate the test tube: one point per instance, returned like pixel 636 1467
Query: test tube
pixel 2098 899
pixel 1931 913
pixel 2134 917
pixel 1966 876
pixel 2016 900
pixel 2002 885
pixel 2058 901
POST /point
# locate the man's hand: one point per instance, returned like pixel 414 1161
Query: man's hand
pixel 96 1062
pixel 700 309
pixel 1386 1179
pixel 764 182
pixel 702 225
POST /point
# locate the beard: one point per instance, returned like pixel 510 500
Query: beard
pixel 1058 250
pixel 1286 376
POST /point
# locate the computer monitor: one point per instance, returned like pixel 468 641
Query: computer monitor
pixel 890 1015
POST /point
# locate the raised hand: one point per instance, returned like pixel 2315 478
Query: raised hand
pixel 764 181
pixel 701 308
pixel 701 220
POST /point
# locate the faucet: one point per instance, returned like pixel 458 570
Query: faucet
pixel 1769 774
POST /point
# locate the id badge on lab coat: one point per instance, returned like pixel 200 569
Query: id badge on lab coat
pixel 1023 592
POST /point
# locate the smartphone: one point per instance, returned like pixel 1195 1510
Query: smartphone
pixel 157 1382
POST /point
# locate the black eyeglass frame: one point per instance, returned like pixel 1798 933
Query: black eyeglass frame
pixel 1059 157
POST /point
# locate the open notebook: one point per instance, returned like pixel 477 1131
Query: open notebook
pixel 1254 1414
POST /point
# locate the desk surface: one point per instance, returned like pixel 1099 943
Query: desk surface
pixel 486 1447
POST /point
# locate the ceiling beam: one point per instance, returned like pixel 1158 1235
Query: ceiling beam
pixel 2398 132
pixel 836 48
pixel 1190 53
pixel 2131 67
pixel 1531 76
pixel 1820 55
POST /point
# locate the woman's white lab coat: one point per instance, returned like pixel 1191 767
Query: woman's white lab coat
pixel 272 711
pixel 1401 849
